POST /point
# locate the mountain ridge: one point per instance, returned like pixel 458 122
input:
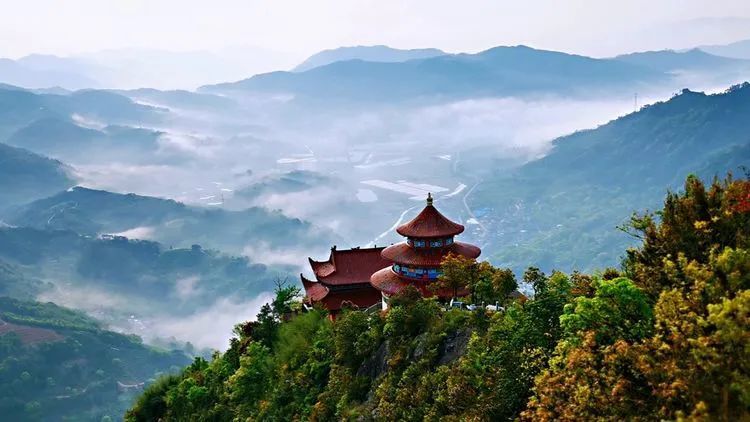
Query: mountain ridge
pixel 501 70
pixel 371 53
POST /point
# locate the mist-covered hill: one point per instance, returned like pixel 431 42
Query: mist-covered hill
pixel 64 139
pixel 738 49
pixel 20 107
pixel 134 275
pixel 59 364
pixel 371 53
pixel 591 181
pixel 44 71
pixel 293 181
pixel 182 99
pixel 500 71
pixel 95 212
pixel 25 176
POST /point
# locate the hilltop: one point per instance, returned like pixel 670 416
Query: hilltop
pixel 615 344
pixel 372 53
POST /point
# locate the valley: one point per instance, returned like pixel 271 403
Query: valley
pixel 145 224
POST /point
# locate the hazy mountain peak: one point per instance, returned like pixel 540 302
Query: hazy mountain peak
pixel 671 60
pixel 739 49
pixel 372 53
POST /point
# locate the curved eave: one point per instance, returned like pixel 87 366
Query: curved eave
pixel 314 291
pixel 404 254
pixel 387 281
pixel 321 268
pixel 390 283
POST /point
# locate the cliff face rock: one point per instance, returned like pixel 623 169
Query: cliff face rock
pixel 451 347
pixel 377 364
pixel 454 345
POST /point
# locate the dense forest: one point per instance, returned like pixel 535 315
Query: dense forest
pixel 664 337
pixel 59 364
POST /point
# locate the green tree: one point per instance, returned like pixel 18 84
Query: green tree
pixel 458 274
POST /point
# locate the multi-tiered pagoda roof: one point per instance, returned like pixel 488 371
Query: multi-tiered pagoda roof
pixel 416 262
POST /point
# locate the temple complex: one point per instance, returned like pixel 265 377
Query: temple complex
pixel 416 262
pixel 344 279
pixel 362 277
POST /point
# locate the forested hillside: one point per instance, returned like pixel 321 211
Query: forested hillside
pixel 663 338
pixel 133 276
pixel 58 364
pixel 561 211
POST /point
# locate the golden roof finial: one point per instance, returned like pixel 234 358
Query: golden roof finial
pixel 429 198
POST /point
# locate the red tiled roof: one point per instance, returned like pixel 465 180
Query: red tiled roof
pixel 404 254
pixel 390 283
pixel 430 223
pixel 314 291
pixel 363 296
pixel 350 266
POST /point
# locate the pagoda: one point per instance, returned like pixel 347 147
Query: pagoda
pixel 344 279
pixel 416 262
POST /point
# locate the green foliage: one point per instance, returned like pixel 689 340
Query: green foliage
pixel 618 310
pixel 690 363
pixel 666 339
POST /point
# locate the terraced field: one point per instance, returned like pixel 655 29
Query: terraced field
pixel 29 334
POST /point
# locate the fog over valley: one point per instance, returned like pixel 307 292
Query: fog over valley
pixel 201 183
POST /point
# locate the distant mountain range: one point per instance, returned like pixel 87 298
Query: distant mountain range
pixel 136 68
pixel 373 53
pixel 37 71
pixel 127 69
pixel 671 61
pixel 591 181
pixel 498 71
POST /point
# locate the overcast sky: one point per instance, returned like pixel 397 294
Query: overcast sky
pixel 301 27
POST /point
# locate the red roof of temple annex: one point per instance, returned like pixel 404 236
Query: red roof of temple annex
pixel 344 278
pixel 351 266
pixel 430 223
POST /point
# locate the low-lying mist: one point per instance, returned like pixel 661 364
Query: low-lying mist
pixel 354 171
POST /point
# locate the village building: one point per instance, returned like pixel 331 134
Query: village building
pixel 363 277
